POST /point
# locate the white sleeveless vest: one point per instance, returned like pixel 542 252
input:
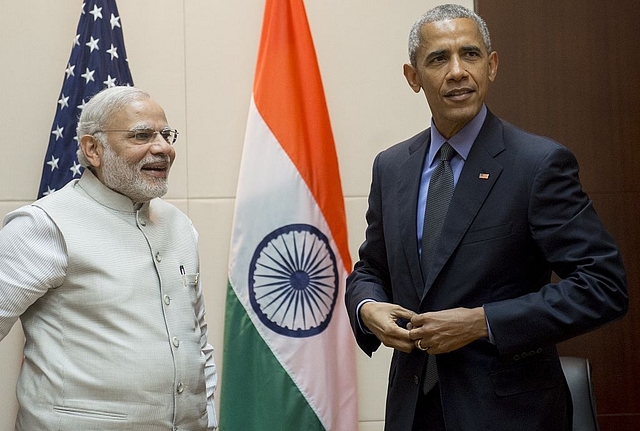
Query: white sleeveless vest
pixel 117 346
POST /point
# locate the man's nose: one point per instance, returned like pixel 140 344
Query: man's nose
pixel 159 145
pixel 457 70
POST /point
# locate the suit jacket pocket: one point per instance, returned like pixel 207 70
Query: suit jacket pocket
pixel 525 377
pixel 487 233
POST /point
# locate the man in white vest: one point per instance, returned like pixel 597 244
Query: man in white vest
pixel 104 278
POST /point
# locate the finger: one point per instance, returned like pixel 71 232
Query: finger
pixel 417 332
pixel 403 313
pixel 416 320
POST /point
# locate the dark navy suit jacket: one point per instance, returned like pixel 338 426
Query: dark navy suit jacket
pixel 517 214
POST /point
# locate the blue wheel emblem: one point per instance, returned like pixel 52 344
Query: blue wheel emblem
pixel 293 281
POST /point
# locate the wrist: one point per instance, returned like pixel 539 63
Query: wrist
pixel 480 322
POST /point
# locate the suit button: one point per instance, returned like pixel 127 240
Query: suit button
pixel 158 257
pixel 416 380
pixel 167 299
pixel 180 388
pixel 175 341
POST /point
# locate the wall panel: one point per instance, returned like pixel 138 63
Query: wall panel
pixel 568 70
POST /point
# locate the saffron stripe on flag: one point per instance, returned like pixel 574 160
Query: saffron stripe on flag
pixel 291 100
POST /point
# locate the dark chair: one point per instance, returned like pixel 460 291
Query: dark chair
pixel 577 371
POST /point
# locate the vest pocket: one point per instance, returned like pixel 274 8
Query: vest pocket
pixel 190 280
pixel 87 413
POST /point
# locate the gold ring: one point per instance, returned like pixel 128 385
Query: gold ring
pixel 419 345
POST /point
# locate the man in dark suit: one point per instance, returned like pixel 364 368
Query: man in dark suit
pixel 469 306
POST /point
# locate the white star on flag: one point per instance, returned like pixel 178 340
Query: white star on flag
pixel 110 82
pixel 53 163
pixel 58 132
pixel 113 51
pixel 64 101
pixel 76 169
pixel 69 71
pixel 96 12
pixel 88 75
pixel 93 44
pixel 115 21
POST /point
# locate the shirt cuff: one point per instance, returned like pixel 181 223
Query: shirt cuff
pixel 491 339
pixel 363 328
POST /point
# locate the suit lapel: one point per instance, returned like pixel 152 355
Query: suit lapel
pixel 477 178
pixel 408 188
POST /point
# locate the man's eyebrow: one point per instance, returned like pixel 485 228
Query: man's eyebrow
pixel 437 53
pixel 470 48
pixel 141 127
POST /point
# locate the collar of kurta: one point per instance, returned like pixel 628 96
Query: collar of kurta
pixel 96 190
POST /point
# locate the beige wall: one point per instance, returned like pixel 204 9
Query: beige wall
pixel 197 57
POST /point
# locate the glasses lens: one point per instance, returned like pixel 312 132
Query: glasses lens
pixel 144 136
pixel 168 135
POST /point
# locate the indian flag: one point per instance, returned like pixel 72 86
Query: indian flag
pixel 289 356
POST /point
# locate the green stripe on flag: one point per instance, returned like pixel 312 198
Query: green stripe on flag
pixel 257 393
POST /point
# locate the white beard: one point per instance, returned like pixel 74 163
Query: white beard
pixel 126 178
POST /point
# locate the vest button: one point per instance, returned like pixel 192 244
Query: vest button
pixel 180 388
pixel 175 341
pixel 167 299
pixel 416 380
pixel 141 221
pixel 158 257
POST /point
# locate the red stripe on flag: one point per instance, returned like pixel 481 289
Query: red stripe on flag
pixel 289 95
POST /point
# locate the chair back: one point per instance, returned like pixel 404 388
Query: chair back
pixel 577 371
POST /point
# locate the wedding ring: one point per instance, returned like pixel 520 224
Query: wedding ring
pixel 419 345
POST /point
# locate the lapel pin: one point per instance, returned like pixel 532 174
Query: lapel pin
pixel 483 176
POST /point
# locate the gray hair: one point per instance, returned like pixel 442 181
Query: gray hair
pixel 98 111
pixel 441 13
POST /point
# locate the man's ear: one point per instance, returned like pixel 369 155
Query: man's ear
pixel 92 149
pixel 493 66
pixel 412 77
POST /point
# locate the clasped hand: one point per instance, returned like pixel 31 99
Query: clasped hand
pixel 438 331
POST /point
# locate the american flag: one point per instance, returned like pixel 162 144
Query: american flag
pixel 98 60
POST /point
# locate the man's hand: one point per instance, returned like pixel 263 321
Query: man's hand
pixel 448 330
pixel 382 319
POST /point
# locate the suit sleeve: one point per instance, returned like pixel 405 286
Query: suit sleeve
pixel 592 289
pixel 370 277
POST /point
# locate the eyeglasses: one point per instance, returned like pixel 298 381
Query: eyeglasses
pixel 144 136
